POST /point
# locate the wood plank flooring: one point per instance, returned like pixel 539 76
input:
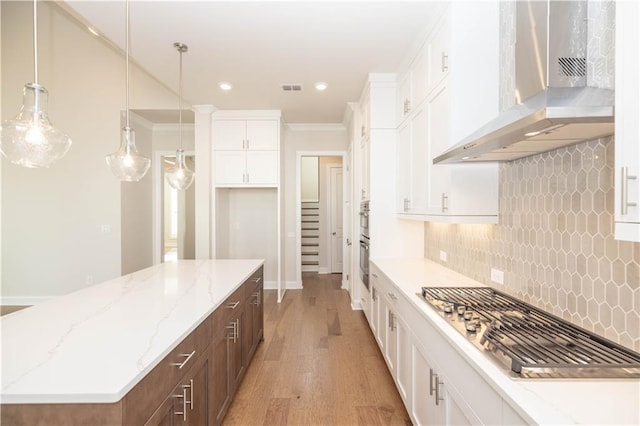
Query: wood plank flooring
pixel 319 364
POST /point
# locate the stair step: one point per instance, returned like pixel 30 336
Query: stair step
pixel 310 263
pixel 310 245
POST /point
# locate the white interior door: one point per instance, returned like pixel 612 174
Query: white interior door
pixel 336 219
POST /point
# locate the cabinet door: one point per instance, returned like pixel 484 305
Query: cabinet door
pixel 220 380
pixel 627 125
pixel 229 134
pixel 438 53
pixel 197 392
pixel 438 138
pixel 420 163
pixel 238 351
pixel 257 318
pixel 364 177
pixel 403 172
pixel 365 123
pixel 373 313
pixel 391 347
pixel 419 78
pixel 404 369
pixel 262 167
pixel 424 410
pixel 403 98
pixel 230 167
pixel 165 415
pixel 263 135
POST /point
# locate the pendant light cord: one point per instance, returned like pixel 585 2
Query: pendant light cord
pixel 127 64
pixel 180 100
pixel 35 42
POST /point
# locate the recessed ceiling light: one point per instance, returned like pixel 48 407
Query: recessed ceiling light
pixel 93 31
pixel 225 86
pixel 321 85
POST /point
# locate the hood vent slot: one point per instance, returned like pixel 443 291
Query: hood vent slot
pixel 292 87
pixel 573 67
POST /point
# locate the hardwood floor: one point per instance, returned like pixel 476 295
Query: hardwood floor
pixel 319 364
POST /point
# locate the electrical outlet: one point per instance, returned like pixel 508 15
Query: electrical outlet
pixel 89 279
pixel 105 228
pixel 443 256
pixel 497 276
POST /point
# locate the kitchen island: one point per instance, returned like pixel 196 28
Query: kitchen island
pixel 474 388
pixel 119 351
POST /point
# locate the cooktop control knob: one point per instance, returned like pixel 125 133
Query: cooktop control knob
pixel 472 326
pixel 467 315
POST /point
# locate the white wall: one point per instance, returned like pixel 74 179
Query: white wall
pixel 137 209
pixel 309 179
pixel 316 138
pixel 52 219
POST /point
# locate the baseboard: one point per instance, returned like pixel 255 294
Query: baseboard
pixel 23 300
pixel 356 305
pixel 270 285
pixel 294 285
pixel 309 268
pixel 323 270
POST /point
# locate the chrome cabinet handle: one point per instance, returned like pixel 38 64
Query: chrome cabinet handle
pixel 257 296
pixel 183 363
pixel 190 387
pixel 624 191
pixel 445 202
pixel 445 62
pixel 431 376
pixel 234 331
pixel 407 106
pixel 392 296
pixel 233 305
pixel 182 413
pixel 407 203
pixel 373 294
pixel 257 280
pixel 438 383
pixel 392 321
pixel 363 130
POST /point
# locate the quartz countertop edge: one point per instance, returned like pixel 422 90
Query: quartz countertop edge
pixel 538 401
pixel 94 345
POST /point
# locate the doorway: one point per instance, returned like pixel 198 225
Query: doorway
pixel 322 204
pixel 174 213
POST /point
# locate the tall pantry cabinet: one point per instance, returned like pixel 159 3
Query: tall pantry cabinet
pixel 247 197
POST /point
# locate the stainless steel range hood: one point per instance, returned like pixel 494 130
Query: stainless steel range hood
pixel 558 108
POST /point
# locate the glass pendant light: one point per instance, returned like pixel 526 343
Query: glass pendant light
pixel 126 163
pixel 179 176
pixel 29 139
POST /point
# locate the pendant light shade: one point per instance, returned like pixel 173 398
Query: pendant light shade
pixel 179 176
pixel 29 139
pixel 127 164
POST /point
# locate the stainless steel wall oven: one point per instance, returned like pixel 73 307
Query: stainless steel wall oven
pixel 364 243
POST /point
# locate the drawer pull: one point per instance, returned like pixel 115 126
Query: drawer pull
pixel 257 280
pixel 392 296
pixel 234 330
pixel 374 275
pixel 183 363
pixel 190 387
pixel 257 296
pixel 233 305
pixel 431 376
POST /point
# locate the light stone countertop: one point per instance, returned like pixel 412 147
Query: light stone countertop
pixel 96 344
pixel 539 401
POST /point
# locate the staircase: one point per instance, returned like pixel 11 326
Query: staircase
pixel 310 236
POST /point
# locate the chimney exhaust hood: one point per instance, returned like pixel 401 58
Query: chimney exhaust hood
pixel 558 109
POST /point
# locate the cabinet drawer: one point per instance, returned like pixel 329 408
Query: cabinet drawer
pixel 147 395
pixel 253 283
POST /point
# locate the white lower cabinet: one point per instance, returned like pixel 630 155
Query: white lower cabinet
pixel 437 386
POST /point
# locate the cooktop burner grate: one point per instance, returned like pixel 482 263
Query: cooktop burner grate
pixel 532 342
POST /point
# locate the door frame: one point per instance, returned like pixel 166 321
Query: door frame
pixel 157 200
pixel 330 207
pixel 345 210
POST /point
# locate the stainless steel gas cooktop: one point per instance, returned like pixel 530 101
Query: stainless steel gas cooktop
pixel 528 341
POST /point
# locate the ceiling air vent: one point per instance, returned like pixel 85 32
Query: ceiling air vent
pixel 290 87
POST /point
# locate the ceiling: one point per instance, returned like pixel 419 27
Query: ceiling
pixel 258 46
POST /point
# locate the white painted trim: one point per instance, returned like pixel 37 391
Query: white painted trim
pixel 316 127
pixel 356 305
pixel 24 300
pixel 140 120
pixel 173 126
pixel 330 208
pixel 323 270
pixel 247 114
pixel 270 285
pixel 293 285
pixel 156 197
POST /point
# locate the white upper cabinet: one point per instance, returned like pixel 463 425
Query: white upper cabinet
pixel 438 48
pixel 461 85
pixel 246 149
pixel 412 86
pixel 627 122
pixel 246 134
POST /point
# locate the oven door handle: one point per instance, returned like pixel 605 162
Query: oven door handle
pixel 364 245
pixel 365 214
